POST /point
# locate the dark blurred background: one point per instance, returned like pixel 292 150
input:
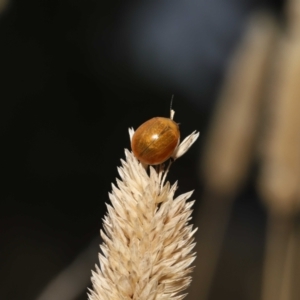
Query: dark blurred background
pixel 75 75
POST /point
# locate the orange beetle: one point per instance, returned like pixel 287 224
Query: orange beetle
pixel 155 140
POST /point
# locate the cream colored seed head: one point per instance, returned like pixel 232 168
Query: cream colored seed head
pixel 147 241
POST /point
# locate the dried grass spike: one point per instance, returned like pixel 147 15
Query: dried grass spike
pixel 147 248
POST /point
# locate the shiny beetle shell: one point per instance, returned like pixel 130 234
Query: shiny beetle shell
pixel 155 140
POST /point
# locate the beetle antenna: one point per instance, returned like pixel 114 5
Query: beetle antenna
pixel 172 112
